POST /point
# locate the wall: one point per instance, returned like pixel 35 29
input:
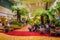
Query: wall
pixel 5 3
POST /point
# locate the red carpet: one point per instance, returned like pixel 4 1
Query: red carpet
pixel 26 33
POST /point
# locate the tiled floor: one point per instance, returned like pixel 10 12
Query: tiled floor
pixel 8 37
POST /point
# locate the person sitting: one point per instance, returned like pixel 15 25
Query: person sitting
pixel 47 28
pixel 52 26
pixel 52 29
pixel 3 24
pixel 42 29
pixel 7 27
pixel 0 24
pixel 57 33
pixel 30 29
pixel 33 28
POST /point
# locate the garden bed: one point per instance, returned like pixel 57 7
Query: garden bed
pixel 11 28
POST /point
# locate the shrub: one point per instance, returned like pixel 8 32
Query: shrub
pixel 57 22
pixel 16 23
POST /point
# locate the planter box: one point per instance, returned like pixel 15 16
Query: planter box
pixel 15 27
pixel 11 28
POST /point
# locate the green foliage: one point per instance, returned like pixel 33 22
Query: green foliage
pixel 44 1
pixel 57 22
pixel 16 23
pixel 49 12
pixel 24 19
pixel 22 11
pixel 30 21
pixel 38 23
pixel 13 7
pixel 58 6
pixel 52 10
pixel 39 12
pixel 58 3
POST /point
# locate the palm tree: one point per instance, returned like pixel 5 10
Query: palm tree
pixel 20 12
pixel 41 13
pixel 53 10
pixel 46 2
pixel 58 6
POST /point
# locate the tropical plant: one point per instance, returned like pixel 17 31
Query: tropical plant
pixel 48 13
pixel 42 13
pixel 46 3
pixel 20 12
pixel 57 22
pixel 58 6
pixel 53 10
pixel 16 23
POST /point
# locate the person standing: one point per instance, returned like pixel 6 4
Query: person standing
pixel 7 27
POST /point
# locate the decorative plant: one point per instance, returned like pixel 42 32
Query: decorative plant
pixel 20 12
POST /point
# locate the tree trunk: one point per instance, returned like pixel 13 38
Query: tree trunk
pixel 17 19
pixel 18 16
pixel 48 21
pixel 46 6
pixel 42 20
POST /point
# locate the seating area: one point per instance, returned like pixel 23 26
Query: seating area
pixel 11 28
